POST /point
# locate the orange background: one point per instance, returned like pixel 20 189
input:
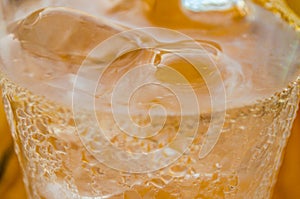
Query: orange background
pixel 287 187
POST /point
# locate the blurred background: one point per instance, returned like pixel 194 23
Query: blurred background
pixel 287 187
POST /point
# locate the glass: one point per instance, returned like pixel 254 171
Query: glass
pixel 100 107
pixel 11 185
pixel 287 183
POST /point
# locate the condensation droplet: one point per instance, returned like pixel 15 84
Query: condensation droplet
pixel 218 166
pixel 157 183
pixel 178 170
pixel 166 178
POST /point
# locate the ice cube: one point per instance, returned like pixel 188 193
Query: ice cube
pixel 60 33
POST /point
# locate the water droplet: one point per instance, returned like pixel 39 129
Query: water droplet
pixel 218 166
pixel 157 183
pixel 166 178
pixel 242 127
pixel 178 170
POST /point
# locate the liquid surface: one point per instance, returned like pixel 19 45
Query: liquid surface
pixel 256 58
